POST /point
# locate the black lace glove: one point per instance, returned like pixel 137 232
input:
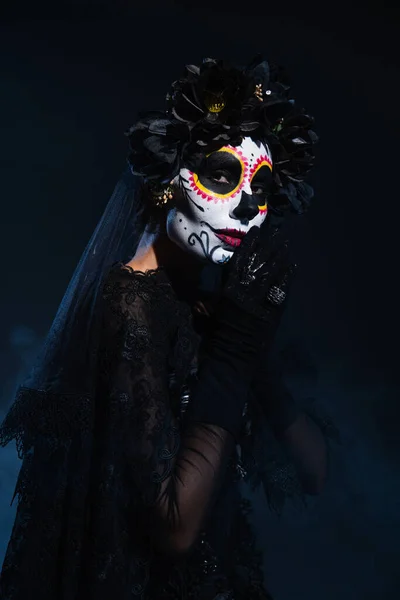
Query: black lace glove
pixel 244 324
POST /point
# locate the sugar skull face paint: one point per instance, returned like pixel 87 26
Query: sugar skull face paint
pixel 222 201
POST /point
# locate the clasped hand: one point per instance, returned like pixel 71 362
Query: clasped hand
pixel 258 276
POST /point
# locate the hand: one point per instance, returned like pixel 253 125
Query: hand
pixel 259 273
pixel 242 326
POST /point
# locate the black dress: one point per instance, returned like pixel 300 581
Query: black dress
pixel 85 524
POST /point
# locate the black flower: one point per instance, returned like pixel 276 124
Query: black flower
pixel 215 105
pixel 215 92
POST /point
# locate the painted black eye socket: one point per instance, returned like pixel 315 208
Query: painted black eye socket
pixel 220 174
pixel 259 190
pixel 221 177
pixel 219 180
pixel 261 183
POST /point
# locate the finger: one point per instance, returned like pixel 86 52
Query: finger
pixel 272 240
pixel 271 270
pixel 278 292
pixel 272 247
pixel 246 249
pixel 287 277
pixel 275 262
pixel 251 237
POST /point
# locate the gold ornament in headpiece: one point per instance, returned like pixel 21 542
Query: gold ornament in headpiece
pixel 163 196
pixel 215 103
pixel 258 92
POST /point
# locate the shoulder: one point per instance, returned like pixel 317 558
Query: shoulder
pixel 127 314
pixel 129 294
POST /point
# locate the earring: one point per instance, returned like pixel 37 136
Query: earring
pixel 162 196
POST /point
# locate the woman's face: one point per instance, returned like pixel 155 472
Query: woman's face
pixel 220 203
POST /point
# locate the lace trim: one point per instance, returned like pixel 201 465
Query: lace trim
pixel 137 272
pixel 39 414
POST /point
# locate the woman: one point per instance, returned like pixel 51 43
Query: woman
pixel 154 393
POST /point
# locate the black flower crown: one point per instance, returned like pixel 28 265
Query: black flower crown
pixel 216 104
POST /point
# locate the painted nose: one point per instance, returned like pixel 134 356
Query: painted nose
pixel 246 210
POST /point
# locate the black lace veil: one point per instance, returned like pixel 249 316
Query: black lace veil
pixel 67 361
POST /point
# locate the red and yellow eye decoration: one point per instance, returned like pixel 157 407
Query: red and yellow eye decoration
pixel 262 161
pixel 210 196
pixel 246 174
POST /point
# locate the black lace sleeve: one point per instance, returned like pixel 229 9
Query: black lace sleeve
pixel 174 472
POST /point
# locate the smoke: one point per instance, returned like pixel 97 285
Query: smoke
pixel 23 344
pixel 346 543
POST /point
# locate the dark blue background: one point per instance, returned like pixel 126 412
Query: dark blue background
pixel 72 81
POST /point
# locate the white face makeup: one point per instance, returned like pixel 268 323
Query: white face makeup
pixel 219 204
